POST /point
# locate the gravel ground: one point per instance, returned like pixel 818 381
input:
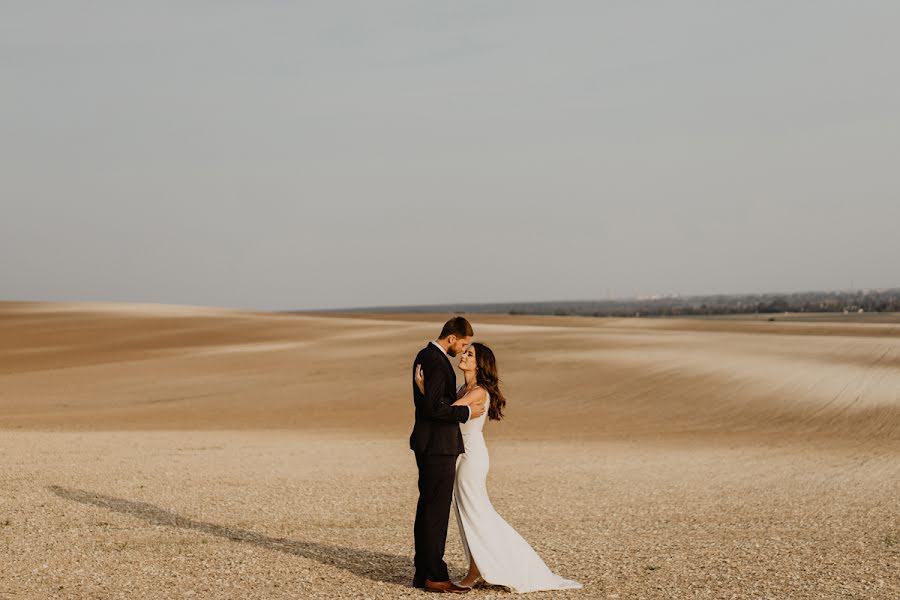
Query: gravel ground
pixel 278 514
pixel 180 452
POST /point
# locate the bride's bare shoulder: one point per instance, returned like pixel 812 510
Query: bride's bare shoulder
pixel 479 394
pixel 473 396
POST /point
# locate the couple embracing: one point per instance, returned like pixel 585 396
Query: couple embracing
pixel 453 462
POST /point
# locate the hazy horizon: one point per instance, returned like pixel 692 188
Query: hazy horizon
pixel 273 156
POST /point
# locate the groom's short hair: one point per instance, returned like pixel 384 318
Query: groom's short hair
pixel 457 326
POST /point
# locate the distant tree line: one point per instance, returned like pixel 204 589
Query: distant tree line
pixel 810 302
pixel 676 306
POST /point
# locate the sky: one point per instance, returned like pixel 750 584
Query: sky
pixel 302 155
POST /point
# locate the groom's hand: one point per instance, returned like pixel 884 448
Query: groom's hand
pixel 477 409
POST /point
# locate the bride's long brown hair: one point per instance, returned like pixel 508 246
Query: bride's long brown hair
pixel 486 376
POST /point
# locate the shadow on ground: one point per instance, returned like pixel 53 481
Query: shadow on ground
pixel 376 566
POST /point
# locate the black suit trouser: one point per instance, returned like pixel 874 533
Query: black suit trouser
pixel 436 475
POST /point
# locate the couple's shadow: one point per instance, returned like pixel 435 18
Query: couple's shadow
pixel 377 566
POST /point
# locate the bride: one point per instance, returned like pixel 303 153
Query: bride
pixel 496 553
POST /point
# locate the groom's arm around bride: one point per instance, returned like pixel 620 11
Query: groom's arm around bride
pixel 437 404
pixel 436 429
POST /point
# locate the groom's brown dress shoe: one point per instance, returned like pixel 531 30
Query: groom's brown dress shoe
pixel 444 587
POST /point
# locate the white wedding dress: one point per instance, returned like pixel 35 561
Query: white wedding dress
pixel 502 555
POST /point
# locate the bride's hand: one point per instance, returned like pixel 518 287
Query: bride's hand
pixel 420 379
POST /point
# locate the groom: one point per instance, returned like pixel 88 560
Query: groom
pixel 437 442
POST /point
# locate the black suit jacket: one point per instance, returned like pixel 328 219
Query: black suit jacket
pixel 436 430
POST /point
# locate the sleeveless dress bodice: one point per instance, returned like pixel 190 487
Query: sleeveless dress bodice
pixel 475 426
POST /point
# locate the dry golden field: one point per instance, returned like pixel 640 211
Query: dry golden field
pixel 181 452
